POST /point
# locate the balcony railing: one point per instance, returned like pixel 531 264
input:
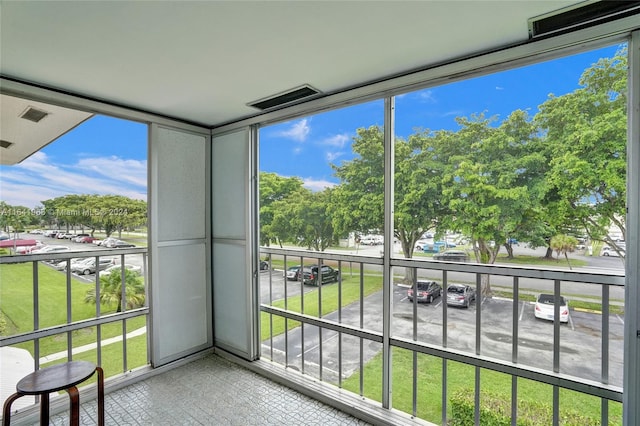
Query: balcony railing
pixel 58 322
pixel 339 333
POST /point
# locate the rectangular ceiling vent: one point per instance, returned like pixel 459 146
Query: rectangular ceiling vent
pixel 5 144
pixel 290 96
pixel 34 114
pixel 582 15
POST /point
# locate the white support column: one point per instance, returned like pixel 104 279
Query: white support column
pixel 632 288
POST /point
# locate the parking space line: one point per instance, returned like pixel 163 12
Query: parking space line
pixel 314 347
pixel 522 311
pixel 620 319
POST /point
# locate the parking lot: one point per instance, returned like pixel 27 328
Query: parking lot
pixel 580 338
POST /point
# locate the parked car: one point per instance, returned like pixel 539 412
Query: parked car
pixel 50 249
pixel 460 295
pixel 76 238
pixel 264 265
pixel 420 244
pixel 608 251
pixel 86 239
pixel 437 246
pixel 133 268
pixel 120 244
pixel 452 256
pixel 89 265
pixel 311 274
pixel 104 242
pixel 427 291
pixel 292 273
pixel 544 308
pixel 62 264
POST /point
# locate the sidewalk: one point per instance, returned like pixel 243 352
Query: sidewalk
pixel 90 346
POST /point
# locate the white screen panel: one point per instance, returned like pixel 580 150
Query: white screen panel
pixel 231 314
pixel 229 176
pixel 180 300
pixel 181 195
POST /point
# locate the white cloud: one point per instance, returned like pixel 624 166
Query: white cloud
pixel 331 156
pixel 499 88
pixel 38 178
pixel 427 96
pixel 337 140
pixel 317 185
pixel 298 131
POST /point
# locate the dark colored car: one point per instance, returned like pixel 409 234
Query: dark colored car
pixel 264 265
pixel 452 256
pixel 312 274
pixel 427 291
pixel 460 295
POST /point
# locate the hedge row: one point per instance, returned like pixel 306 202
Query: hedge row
pixel 496 411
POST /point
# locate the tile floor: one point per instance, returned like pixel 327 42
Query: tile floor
pixel 210 391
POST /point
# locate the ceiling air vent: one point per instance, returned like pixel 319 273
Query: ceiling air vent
pixel 5 144
pixel 33 114
pixel 290 96
pixel 582 15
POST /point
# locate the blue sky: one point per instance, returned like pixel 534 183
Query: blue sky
pixel 109 156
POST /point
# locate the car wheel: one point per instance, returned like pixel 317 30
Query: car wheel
pixel 430 298
pixel 606 254
pixel 86 272
pixel 466 304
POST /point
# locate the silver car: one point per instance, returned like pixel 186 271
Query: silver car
pixel 460 295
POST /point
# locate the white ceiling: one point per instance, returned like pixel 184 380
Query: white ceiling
pixel 204 61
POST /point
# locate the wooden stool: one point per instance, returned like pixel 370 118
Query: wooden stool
pixel 56 378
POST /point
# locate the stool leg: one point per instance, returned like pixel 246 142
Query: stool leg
pixel 6 411
pixel 44 409
pixel 100 396
pixel 74 407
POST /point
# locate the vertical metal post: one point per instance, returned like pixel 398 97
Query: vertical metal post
pixel 387 288
pixel 361 360
pixel 631 408
pixel 604 354
pixel 514 350
pixel 36 315
pixel 556 326
pixel 414 285
pixel 69 316
pixel 340 322
pixel 320 316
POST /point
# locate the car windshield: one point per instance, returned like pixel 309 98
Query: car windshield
pixel 459 290
pixel 423 286
pixel 548 299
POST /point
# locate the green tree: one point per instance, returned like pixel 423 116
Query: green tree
pixel 585 134
pixel 303 218
pixel 493 182
pixel 274 188
pixel 111 290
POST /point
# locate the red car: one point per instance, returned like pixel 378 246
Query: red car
pixel 86 239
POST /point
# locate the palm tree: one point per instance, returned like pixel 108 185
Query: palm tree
pixel 563 244
pixel 111 290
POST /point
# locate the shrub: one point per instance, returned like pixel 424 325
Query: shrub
pixel 496 411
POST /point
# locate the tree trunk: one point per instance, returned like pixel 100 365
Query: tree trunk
pixel 549 254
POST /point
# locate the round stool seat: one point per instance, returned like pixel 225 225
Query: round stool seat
pixel 56 378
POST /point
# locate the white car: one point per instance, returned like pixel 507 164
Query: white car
pixel 544 308
pixel 50 249
pixel 608 251
pixel 132 268
pixel 88 266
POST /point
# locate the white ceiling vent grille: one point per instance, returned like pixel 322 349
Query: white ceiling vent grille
pixel 304 92
pixel 34 114
pixel 582 15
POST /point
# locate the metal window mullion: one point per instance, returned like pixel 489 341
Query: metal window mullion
pixel 604 403
pixel 476 397
pixel 124 346
pixel 444 308
pixel 36 314
pixel 361 357
pixel 320 316
pixel 444 390
pixel 340 321
pixel 98 314
pixel 514 350
pixel 478 312
pixel 414 284
pixel 69 315
pixel 301 274
pixel 387 278
pixel 556 326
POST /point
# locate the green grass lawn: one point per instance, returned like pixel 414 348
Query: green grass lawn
pixel 16 294
pixel 459 377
